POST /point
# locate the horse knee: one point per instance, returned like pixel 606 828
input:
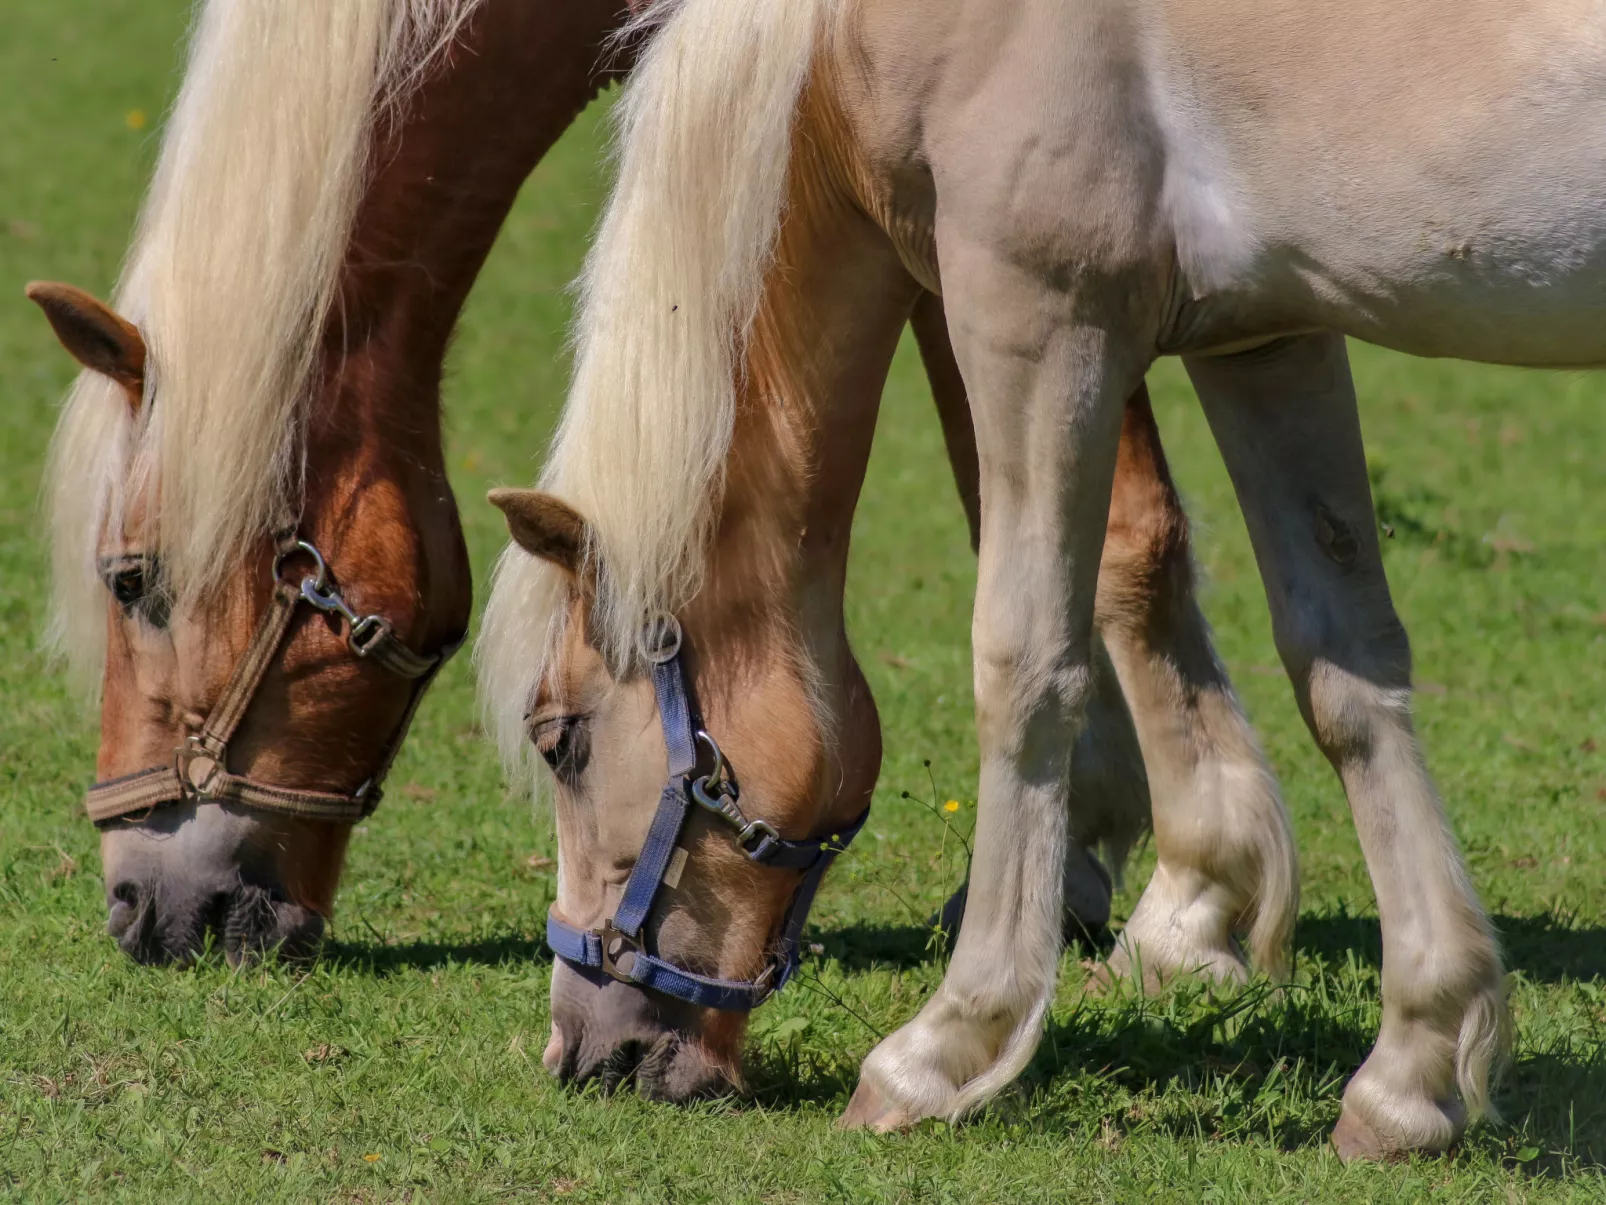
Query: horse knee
pixel 1351 673
pixel 1029 698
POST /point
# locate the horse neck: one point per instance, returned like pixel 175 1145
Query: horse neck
pixel 834 304
pixel 447 173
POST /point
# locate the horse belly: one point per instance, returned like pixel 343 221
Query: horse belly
pixel 1429 176
pixel 1523 283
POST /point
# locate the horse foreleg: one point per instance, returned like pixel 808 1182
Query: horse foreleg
pixel 1110 798
pixel 1047 386
pixel 1285 419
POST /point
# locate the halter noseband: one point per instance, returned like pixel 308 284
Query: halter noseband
pixel 619 947
pixel 199 770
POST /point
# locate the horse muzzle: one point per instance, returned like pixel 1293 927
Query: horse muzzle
pixel 621 1036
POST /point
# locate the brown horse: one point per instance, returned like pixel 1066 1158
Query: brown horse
pixel 275 377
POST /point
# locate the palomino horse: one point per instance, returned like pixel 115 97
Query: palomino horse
pixel 257 863
pixel 1100 185
pixel 312 232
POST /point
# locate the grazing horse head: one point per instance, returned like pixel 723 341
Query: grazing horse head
pixel 666 632
pixel 717 904
pixel 258 559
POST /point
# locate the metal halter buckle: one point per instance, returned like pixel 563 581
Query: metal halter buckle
pixel 363 632
pixel 193 750
pixel 366 633
pixel 619 951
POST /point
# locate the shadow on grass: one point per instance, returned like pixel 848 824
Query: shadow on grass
pixel 1546 948
pixel 1247 1064
pixel 883 947
pixel 1555 1101
pixel 382 959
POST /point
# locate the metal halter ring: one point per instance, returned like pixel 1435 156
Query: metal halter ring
pixel 660 639
pixel 319 583
pixel 195 748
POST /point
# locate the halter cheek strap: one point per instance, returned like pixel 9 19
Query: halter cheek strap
pixel 619 947
pixel 199 770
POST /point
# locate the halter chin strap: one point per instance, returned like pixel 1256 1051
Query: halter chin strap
pixel 199 771
pixel 618 948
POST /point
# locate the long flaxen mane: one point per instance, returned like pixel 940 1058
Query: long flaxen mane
pixel 667 298
pixel 231 279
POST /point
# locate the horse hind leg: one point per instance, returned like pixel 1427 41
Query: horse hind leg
pixel 1226 860
pixel 1286 422
pixel 1161 700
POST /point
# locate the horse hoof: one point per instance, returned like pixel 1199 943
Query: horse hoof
pixel 1353 1139
pixel 869 1110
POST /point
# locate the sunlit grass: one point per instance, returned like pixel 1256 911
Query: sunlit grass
pixel 405 1063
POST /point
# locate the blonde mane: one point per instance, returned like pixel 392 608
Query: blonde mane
pixel 669 292
pixel 231 278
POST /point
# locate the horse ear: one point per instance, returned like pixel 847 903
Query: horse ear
pixel 544 526
pixel 96 335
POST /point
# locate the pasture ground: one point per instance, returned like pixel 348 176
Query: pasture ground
pixel 404 1063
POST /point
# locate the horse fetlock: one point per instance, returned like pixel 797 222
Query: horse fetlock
pixel 912 1074
pixel 1181 926
pixel 1235 873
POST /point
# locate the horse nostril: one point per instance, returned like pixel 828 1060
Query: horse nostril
pixel 131 921
pixel 124 908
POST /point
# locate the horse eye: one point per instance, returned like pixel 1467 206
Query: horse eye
pixel 128 585
pixel 130 581
pixel 564 744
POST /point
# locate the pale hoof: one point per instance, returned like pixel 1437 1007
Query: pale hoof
pixel 869 1110
pixel 1353 1139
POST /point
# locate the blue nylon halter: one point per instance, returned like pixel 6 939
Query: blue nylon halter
pixel 618 947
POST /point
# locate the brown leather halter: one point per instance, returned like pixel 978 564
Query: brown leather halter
pixel 199 771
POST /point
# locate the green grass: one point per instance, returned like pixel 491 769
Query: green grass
pixel 404 1064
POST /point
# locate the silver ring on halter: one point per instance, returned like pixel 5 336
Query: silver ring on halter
pixel 660 639
pixel 320 583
